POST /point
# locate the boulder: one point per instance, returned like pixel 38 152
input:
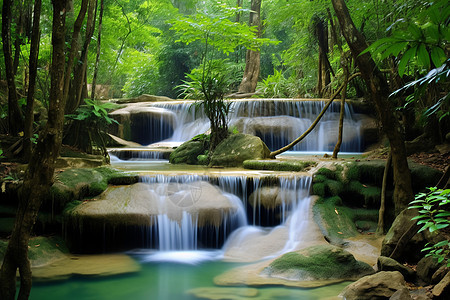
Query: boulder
pixel 188 152
pixel 400 225
pixel 322 262
pixel 426 267
pixel 237 148
pixel 402 294
pixel 442 289
pixel 381 285
pixel 75 184
pixel 388 264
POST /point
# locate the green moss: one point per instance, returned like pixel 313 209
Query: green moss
pixel 319 178
pixel 320 262
pixel 203 159
pixel 276 165
pixel 188 152
pixel 333 187
pixel 336 222
pixel 319 189
pixel 330 174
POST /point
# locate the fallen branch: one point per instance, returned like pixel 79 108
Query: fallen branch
pixel 313 125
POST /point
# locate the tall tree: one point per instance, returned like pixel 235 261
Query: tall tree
pixel 15 118
pixel 78 81
pixel 99 43
pixel 39 175
pixel 379 94
pixel 34 53
pixel 253 57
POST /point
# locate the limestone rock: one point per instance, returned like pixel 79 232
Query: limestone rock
pixel 442 289
pixel 402 294
pixel 271 197
pixel 439 274
pixel 320 262
pixel 237 148
pixel 116 219
pixel 401 224
pixel 381 285
pixel 223 293
pixel 75 184
pixel 426 267
pixel 388 264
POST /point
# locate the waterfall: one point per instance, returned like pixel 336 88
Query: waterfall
pixel 276 121
pixel 185 234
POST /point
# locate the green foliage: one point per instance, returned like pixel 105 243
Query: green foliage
pixel 421 44
pixel 1 153
pixel 434 216
pixel 217 30
pixel 89 126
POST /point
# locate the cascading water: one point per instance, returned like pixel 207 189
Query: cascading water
pixel 277 122
pixel 184 234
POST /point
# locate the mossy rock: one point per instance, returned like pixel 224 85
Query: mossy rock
pixel 189 152
pixel 423 176
pixel 322 262
pixel 370 172
pixel 277 165
pixel 237 148
pixel 335 222
pixel 75 184
pixel 41 250
pixel 338 222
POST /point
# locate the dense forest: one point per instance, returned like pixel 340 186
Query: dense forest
pixel 60 58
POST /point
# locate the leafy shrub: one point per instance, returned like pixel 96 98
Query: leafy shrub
pixel 434 216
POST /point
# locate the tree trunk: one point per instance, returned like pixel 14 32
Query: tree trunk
pixel 34 52
pixel 337 148
pixel 76 87
pixel 15 118
pixel 74 48
pixel 252 58
pixel 381 212
pixel 324 64
pixel 39 175
pixel 99 43
pixel 379 94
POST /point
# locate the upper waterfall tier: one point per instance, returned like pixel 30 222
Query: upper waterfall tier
pixel 276 121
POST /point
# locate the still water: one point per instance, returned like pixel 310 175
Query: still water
pixel 164 280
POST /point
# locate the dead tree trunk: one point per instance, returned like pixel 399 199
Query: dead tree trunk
pixel 316 121
pixel 379 93
pixel 39 175
pixel 253 58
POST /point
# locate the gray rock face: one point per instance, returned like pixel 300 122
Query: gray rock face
pixel 382 285
pixel 232 151
pixel 388 264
